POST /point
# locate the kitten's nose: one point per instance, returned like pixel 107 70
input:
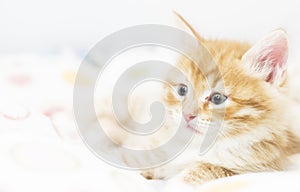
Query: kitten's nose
pixel 188 118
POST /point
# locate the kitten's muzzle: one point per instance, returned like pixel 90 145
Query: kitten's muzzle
pixel 188 118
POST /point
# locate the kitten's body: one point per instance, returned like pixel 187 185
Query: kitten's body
pixel 258 133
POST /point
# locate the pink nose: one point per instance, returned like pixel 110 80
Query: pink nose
pixel 188 118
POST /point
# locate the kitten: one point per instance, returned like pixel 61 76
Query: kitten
pixel 257 133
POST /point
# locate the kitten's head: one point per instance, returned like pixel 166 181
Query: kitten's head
pixel 254 79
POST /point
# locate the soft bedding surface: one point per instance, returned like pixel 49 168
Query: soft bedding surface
pixel 40 149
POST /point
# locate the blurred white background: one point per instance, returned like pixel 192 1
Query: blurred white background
pixel 32 31
pixel 52 25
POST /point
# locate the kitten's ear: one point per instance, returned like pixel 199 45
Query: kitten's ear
pixel 195 33
pixel 268 58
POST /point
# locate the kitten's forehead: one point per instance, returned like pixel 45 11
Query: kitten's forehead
pixel 226 56
pixel 200 81
pixel 217 69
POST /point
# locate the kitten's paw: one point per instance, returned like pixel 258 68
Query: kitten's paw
pixel 163 172
pixel 149 174
pixel 160 173
pixel 154 174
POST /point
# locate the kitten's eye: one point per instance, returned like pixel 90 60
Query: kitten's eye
pixel 182 90
pixel 217 98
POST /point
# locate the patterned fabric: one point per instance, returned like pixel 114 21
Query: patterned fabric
pixel 40 149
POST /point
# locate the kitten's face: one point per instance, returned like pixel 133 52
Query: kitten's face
pixel 252 79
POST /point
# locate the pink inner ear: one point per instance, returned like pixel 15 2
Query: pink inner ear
pixel 272 57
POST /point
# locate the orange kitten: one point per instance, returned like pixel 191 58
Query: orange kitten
pixel 256 134
pixel 257 131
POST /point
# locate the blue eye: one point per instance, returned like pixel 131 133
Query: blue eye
pixel 182 90
pixel 217 98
